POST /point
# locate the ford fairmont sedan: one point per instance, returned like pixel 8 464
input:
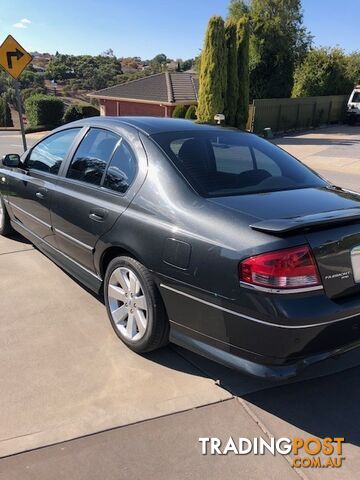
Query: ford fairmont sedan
pixel 210 238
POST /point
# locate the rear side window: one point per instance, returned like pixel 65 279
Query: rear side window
pixel 219 163
pixel 122 169
pixel 355 97
pixel 49 154
pixel 92 156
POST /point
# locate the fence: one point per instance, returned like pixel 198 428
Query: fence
pixel 286 114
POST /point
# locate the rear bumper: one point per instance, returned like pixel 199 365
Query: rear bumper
pixel 296 332
pixel 250 367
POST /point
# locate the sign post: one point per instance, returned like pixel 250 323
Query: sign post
pixel 14 59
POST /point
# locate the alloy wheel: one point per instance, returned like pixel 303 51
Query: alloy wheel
pixel 128 305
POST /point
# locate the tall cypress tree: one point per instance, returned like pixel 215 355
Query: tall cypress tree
pixel 232 91
pixel 242 41
pixel 213 72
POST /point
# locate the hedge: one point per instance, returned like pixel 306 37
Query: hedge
pixel 191 113
pixel 179 111
pixel 76 111
pixel 38 128
pixel 44 110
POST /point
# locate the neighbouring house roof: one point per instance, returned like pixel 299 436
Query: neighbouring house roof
pixel 166 88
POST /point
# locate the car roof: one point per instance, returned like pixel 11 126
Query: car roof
pixel 148 125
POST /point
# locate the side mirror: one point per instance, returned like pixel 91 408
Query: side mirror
pixel 11 160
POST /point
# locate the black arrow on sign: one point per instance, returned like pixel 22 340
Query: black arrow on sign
pixel 18 54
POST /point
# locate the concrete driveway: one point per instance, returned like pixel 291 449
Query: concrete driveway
pixel 65 377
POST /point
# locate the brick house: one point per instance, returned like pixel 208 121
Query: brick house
pixel 156 95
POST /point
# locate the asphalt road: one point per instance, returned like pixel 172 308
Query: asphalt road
pixel 76 404
pixel 10 142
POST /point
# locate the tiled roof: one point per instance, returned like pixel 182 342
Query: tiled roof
pixel 169 87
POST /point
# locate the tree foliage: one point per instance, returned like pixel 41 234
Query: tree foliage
pixel 93 72
pixel 213 72
pixel 324 71
pixel 279 42
pixel 30 79
pixel 353 67
pixel 237 9
pixel 232 90
pixel 242 44
pixel 158 63
pixel 5 113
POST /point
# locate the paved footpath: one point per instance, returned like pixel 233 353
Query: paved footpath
pixel 76 404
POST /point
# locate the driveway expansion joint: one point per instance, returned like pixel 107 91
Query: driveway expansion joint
pixel 18 251
pixel 267 432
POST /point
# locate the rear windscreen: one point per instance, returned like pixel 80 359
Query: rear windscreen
pixel 219 163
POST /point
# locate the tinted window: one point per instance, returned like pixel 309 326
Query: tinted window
pixel 122 169
pixel 92 156
pixel 356 97
pixel 48 155
pixel 266 163
pixel 227 158
pixel 219 163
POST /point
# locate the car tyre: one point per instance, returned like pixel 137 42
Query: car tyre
pixel 134 305
pixel 5 225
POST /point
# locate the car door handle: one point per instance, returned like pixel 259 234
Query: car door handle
pixel 40 195
pixel 98 215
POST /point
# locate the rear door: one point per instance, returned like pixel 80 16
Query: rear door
pixel 96 189
pixel 31 188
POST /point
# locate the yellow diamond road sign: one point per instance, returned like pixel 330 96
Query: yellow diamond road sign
pixel 13 57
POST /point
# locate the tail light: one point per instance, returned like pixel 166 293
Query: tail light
pixel 289 268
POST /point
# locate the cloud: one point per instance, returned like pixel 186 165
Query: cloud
pixel 24 23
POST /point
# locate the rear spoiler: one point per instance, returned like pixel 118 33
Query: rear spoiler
pixel 284 225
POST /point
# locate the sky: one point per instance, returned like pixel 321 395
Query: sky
pixel 147 27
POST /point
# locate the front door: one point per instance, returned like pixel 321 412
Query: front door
pixel 30 189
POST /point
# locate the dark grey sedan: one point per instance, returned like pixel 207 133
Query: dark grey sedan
pixel 211 238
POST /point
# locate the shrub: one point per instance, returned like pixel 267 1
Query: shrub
pixel 77 111
pixel 44 110
pixel 5 113
pixel 88 110
pixel 191 113
pixel 72 113
pixel 179 111
pixel 38 128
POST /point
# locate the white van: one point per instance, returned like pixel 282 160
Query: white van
pixel 353 106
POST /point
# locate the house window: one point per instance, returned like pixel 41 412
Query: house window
pixel 102 110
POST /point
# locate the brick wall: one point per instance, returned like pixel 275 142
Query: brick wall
pixel 112 107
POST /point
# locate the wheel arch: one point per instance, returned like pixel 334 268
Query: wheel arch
pixel 115 251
